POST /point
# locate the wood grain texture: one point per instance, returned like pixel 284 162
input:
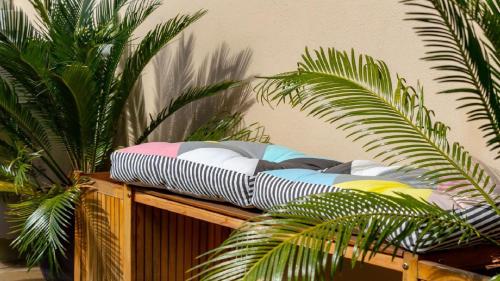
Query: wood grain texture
pixel 168 244
pixel 431 271
pixel 126 233
pixel 98 235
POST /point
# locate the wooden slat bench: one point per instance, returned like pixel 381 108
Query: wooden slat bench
pixel 131 233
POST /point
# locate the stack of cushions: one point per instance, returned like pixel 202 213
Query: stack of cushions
pixel 264 176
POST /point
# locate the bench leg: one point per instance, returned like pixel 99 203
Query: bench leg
pixel 127 233
pixel 410 267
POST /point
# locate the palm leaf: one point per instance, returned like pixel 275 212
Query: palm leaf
pixel 7 187
pixel 107 11
pixel 15 26
pixel 389 117
pixel 308 238
pixel 189 96
pixel 78 95
pixel 464 56
pixel 42 223
pixel 23 118
pixel 24 126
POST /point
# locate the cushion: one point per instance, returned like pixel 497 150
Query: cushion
pixel 222 171
pixel 274 188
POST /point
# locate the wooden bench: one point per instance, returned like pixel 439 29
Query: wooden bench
pixel 130 233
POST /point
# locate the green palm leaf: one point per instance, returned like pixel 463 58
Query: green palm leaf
pixel 389 117
pixel 42 222
pixel 62 91
pixel 7 187
pixel 464 56
pixel 294 241
pixel 22 116
pixel 107 11
pixel 15 26
pixel 189 96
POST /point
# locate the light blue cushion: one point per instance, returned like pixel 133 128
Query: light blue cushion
pixel 304 175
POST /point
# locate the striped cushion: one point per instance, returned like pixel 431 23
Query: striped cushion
pixel 183 177
pixel 270 190
pixel 222 171
pixel 482 217
pixel 273 189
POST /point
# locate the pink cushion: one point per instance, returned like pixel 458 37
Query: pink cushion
pixel 155 148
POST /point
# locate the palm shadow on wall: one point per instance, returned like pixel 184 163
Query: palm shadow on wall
pixel 174 72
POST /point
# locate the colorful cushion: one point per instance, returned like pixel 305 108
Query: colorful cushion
pixel 273 188
pixel 223 171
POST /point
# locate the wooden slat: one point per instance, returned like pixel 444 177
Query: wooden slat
pixel 139 242
pixel 217 207
pixel 148 243
pixel 156 262
pixel 172 246
pixel 127 220
pixel 164 245
pixel 179 272
pixel 186 210
pixel 196 241
pixel 188 246
pixel 431 271
pixel 109 188
pixel 94 238
pixel 203 240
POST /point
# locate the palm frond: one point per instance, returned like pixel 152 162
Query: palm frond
pixel 464 57
pixel 389 117
pixel 229 128
pixel 308 238
pixel 42 223
pixel 23 117
pixel 137 11
pixel 189 96
pixel 107 11
pixel 78 97
pixel 42 9
pixel 15 26
pixel 8 187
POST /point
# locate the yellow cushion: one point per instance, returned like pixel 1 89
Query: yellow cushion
pixel 386 187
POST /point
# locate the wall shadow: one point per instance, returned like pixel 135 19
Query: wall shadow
pixel 175 71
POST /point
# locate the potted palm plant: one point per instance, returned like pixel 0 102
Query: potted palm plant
pixel 361 96
pixel 65 77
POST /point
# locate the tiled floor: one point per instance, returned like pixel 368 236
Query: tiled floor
pixel 15 272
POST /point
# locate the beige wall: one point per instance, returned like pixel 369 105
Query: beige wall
pixel 277 32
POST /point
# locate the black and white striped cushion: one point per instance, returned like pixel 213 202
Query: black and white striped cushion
pixel 183 177
pixel 482 217
pixel 271 191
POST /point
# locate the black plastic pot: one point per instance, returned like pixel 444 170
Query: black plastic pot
pixel 67 263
